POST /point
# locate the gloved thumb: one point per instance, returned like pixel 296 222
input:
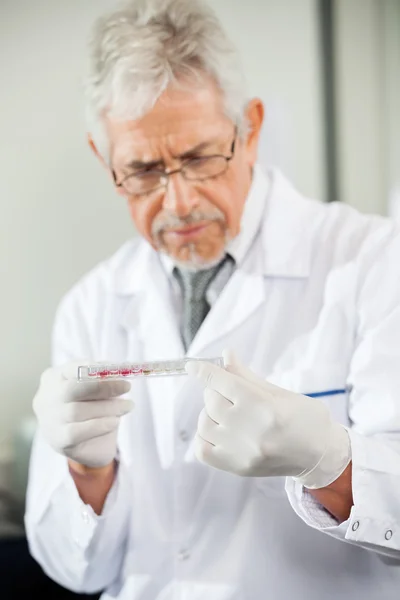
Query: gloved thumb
pixel 210 375
pixel 231 361
pixel 233 365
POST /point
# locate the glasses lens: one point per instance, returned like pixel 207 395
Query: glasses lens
pixel 142 183
pixel 204 168
pixel 195 169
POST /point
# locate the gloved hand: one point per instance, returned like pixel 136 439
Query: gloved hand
pixel 80 419
pixel 253 428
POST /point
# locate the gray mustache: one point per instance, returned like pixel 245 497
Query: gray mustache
pixel 176 222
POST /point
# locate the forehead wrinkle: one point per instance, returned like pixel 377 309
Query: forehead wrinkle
pixel 158 150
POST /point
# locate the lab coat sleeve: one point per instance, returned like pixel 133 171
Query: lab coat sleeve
pixel 75 547
pixel 374 411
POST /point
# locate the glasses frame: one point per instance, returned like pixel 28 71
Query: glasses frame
pixel 166 174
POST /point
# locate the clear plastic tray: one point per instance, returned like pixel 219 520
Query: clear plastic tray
pixel 161 368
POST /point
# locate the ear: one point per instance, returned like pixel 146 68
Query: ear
pixel 255 117
pixel 97 154
pixel 95 151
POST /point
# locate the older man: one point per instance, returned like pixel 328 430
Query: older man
pixel 184 496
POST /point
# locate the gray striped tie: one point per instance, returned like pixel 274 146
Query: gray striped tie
pixel 194 285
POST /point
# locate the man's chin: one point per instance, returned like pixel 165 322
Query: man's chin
pixel 195 261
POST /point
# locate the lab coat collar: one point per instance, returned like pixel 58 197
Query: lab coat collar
pixel 252 217
pixel 275 214
pixel 288 230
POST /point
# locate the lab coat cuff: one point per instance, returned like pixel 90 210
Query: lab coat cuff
pixel 83 521
pixel 369 524
pixel 373 520
pixel 308 508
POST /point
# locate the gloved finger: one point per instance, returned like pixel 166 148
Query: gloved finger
pixel 207 429
pixel 77 412
pixel 228 384
pixel 73 434
pixel 233 365
pixel 230 358
pixel 211 455
pixel 203 450
pixel 217 406
pixel 93 390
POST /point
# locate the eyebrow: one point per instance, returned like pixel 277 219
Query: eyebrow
pixel 139 164
pixel 194 150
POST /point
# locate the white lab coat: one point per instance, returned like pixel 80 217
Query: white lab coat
pixel 314 306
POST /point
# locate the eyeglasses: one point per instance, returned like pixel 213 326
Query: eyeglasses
pixel 192 169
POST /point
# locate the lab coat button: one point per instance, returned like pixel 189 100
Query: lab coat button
pixel 85 516
pixel 388 534
pixel 184 436
pixel 355 525
pixel 183 555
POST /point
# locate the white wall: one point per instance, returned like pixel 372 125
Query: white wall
pixel 391 27
pixel 363 108
pixel 279 43
pixel 58 212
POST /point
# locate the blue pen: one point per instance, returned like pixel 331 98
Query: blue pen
pixel 327 393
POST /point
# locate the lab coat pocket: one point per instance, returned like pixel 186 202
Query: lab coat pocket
pixel 327 383
pixel 272 487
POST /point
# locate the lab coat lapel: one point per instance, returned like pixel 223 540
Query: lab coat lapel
pixel 244 292
pixel 152 334
pixel 158 322
pixel 240 298
pixel 149 314
pixel 161 340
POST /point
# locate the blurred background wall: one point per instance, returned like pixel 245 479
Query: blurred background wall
pixel 367 102
pixel 328 71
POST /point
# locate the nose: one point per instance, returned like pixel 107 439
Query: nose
pixel 180 198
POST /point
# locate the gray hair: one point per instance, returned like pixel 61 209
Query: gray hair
pixel 138 50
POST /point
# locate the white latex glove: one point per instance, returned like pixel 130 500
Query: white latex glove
pixel 80 419
pixel 253 428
